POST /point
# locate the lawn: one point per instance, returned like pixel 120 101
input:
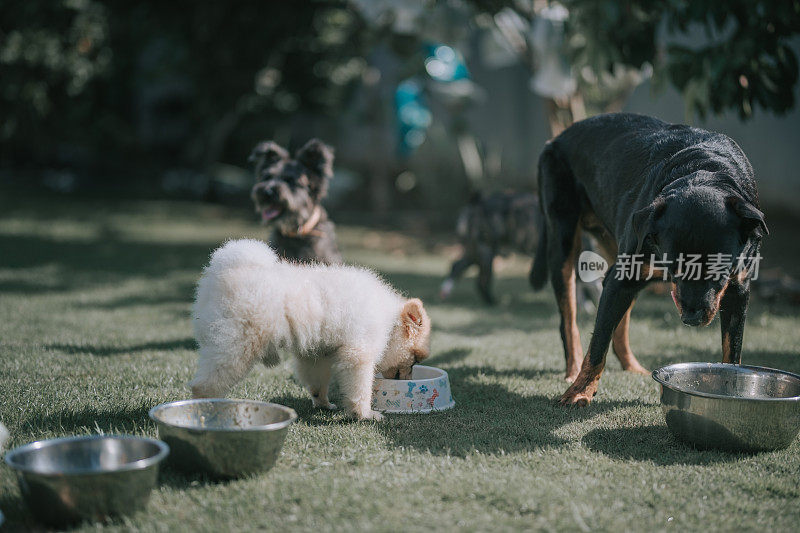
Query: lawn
pixel 95 330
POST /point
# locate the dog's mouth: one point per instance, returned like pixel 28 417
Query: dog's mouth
pixel 269 214
pixel 701 317
pixel 397 373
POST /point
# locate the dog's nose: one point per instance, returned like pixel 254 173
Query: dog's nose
pixel 692 317
pixel 264 194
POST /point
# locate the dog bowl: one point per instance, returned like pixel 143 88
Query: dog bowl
pixel 223 438
pixel 427 390
pixel 731 407
pixel 95 477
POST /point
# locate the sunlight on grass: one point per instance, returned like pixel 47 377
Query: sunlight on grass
pixel 95 329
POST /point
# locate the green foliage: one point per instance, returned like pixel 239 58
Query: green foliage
pixel 747 60
pixel 79 72
pixel 743 62
pixel 603 33
pixel 50 53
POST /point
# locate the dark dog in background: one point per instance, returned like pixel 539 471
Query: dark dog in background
pixel 288 194
pixel 642 186
pixel 497 224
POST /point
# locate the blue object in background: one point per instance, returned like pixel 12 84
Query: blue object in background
pixel 413 115
pixel 444 65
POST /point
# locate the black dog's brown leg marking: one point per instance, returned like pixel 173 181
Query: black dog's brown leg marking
pixel 485 263
pixel 617 298
pixel 568 305
pixel 562 208
pixel 620 341
pixel 732 312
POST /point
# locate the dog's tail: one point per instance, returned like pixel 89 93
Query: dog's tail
pixel 243 252
pixel 538 275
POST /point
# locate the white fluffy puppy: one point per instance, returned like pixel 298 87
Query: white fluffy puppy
pixel 250 304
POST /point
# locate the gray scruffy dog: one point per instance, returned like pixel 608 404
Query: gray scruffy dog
pixel 288 194
pixel 500 223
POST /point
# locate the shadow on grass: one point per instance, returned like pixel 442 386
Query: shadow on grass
pixel 107 259
pixel 513 294
pixel 180 294
pixel 489 418
pixel 104 351
pixel 653 444
pixel 18 518
pixel 448 357
pixel 89 421
pixel 789 361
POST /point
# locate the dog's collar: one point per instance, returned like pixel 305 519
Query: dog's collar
pixel 308 228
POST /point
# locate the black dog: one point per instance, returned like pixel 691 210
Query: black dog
pixel 497 224
pixel 642 186
pixel 288 193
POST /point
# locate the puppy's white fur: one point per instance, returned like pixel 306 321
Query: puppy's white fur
pixel 249 304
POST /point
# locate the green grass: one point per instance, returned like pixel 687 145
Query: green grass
pixel 95 329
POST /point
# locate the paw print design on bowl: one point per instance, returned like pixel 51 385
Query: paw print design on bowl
pixel 429 391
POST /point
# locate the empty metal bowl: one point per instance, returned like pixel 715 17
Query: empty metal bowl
pixel 731 407
pixel 94 477
pixel 221 437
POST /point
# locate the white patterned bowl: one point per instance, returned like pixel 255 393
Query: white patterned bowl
pixel 428 390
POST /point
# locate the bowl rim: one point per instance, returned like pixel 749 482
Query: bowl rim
pixel 140 464
pixel 700 364
pixel 152 413
pixel 379 377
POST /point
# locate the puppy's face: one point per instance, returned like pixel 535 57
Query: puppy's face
pixel 710 231
pixel 409 343
pixel 287 190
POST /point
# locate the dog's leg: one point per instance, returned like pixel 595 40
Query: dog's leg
pixel 562 209
pixel 459 267
pixel 732 312
pixel 218 372
pixel 271 356
pixel 315 375
pixel 485 263
pixel 616 300
pixel 622 346
pixel 562 277
pixel 355 377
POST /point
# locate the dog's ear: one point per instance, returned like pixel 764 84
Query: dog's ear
pixel 643 221
pixel 317 157
pixel 265 154
pixel 412 314
pixel 752 220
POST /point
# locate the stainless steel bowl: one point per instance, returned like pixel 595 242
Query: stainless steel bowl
pixel 731 407
pixel 94 477
pixel 221 437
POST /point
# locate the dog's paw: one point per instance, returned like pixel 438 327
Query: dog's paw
pixel 576 399
pixel 328 406
pixel 371 415
pixel 637 369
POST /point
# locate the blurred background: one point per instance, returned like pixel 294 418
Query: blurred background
pixel 425 102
